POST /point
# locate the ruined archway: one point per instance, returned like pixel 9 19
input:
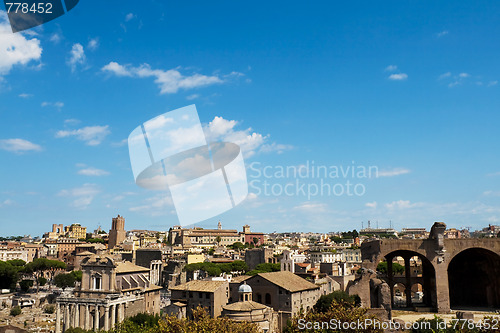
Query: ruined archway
pixel 417 270
pixel 473 278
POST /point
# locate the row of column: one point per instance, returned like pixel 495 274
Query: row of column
pixel 92 313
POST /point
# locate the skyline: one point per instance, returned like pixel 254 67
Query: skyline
pixel 408 88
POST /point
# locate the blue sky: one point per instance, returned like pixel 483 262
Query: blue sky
pixel 409 87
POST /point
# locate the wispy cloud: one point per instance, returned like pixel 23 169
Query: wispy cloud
pixel 129 17
pixel 393 172
pixel 442 33
pixel 391 68
pixel 371 204
pixel 57 105
pixel 398 76
pixel 24 95
pixel 91 135
pixel 91 171
pixel 83 196
pixel 55 38
pixel 444 75
pixel 93 44
pixel 19 145
pixel 400 204
pixel 193 96
pixel 311 207
pixel 169 81
pixel 76 56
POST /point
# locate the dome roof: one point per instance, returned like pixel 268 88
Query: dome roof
pixel 245 288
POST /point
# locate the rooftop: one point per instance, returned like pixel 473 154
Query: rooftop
pixel 200 285
pixel 288 281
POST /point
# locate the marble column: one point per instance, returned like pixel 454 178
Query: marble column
pixel 77 315
pixel 86 319
pixel 106 318
pixel 113 315
pixel 96 319
pixel 58 318
pixel 67 318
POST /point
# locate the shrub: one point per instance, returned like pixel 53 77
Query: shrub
pixel 42 281
pixel 26 285
pixel 50 309
pixel 15 311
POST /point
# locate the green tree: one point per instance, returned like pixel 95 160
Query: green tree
pixel 237 246
pixel 325 301
pixel 8 275
pixel 338 312
pixel 65 280
pixel 78 275
pixel 396 268
pixel 15 311
pixel 26 285
pixel 42 281
pixel 265 268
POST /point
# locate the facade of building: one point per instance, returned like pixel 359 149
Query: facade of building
pixel 245 309
pixel 212 295
pixel 284 291
pixel 110 291
pixel 117 233
pixel 76 231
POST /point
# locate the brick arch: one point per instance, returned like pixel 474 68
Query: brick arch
pixel 473 278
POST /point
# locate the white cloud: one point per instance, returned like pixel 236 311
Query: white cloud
pixel 250 142
pixel 393 172
pixel 398 76
pixel 442 33
pixel 129 17
pixel 24 95
pixel 93 44
pixel 83 196
pixel 155 206
pixel 391 68
pixel 55 38
pixel 400 204
pixel 19 145
pixel 492 83
pixel 169 81
pixel 444 75
pixel 72 121
pixel 371 204
pixel 464 75
pixel 15 48
pixel 275 147
pixel 57 105
pixel 90 171
pixel 116 69
pixel 311 207
pixel 193 96
pixel 77 56
pixel 91 135
pixel 7 202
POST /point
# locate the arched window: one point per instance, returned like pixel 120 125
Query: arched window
pixel 268 298
pixel 259 298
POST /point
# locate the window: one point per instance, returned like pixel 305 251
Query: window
pixel 96 282
pixel 268 298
